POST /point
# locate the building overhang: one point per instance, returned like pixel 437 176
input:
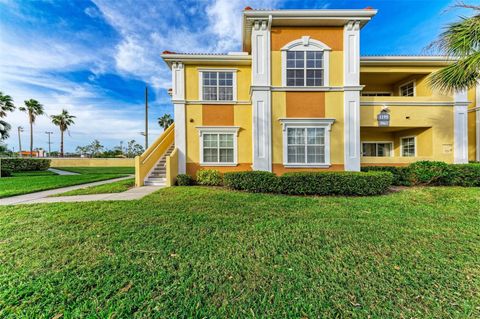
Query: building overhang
pixel 207 59
pixel 300 18
pixel 410 60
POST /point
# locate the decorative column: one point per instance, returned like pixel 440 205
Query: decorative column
pixel 261 96
pixel 178 99
pixel 460 116
pixel 351 47
pixel 477 122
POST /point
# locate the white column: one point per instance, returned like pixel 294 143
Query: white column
pixel 178 99
pixel 351 68
pixel 261 97
pixel 460 150
pixel 477 122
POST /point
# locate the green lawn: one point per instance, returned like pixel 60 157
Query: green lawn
pixel 99 170
pixel 115 187
pixel 193 252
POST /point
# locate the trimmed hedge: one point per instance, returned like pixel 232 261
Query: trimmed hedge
pixel 184 180
pixel 254 181
pixel 25 164
pixel 466 175
pixel 209 177
pixel 336 183
pixel 428 172
pixel 5 172
pixel 311 183
pixel 401 175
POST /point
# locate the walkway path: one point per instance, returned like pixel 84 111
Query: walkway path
pixel 42 197
pixel 60 172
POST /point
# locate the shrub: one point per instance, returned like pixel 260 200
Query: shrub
pixel 184 180
pixel 254 181
pixel 209 177
pixel 428 172
pixel 467 175
pixel 25 164
pixel 401 175
pixel 5 172
pixel 335 183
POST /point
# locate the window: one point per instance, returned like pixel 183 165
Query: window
pixel 305 68
pixel 376 94
pixel 377 149
pixel 218 145
pixel 306 145
pixel 217 86
pixel 408 146
pixel 306 142
pixel 305 63
pixel 407 89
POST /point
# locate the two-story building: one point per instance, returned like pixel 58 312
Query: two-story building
pixel 299 97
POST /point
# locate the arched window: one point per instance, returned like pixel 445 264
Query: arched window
pixel 305 63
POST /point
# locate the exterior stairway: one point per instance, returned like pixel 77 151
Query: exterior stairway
pixel 157 176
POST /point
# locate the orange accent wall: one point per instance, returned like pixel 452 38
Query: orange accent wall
pixel 192 168
pixel 331 36
pixel 217 115
pixel 279 169
pixel 305 104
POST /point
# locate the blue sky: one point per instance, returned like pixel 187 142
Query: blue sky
pixel 94 57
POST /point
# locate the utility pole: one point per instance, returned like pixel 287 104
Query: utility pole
pixel 146 117
pixel 20 129
pixel 49 143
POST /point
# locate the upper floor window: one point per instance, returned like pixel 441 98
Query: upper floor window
pixel 305 63
pixel 217 85
pixel 407 89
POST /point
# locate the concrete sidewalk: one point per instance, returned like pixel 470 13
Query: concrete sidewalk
pixel 61 172
pixel 42 197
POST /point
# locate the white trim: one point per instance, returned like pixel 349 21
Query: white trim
pixel 477 122
pixel 243 102
pixel 234 83
pixel 406 103
pixel 219 130
pixel 306 123
pixel 414 141
pixel 317 88
pixel 178 94
pixel 414 82
pixel 377 142
pixel 376 92
pixel 305 43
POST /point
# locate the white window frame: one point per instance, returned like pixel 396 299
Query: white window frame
pixel 401 145
pixel 405 84
pixel 307 44
pixel 306 123
pixel 379 142
pixel 219 130
pixel 234 85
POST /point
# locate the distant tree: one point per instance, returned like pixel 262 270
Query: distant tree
pixel 83 150
pixel 461 41
pixel 6 105
pixel 165 121
pixel 33 109
pixel 95 148
pixel 134 149
pixel 63 121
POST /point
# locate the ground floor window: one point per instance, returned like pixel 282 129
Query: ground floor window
pixel 408 146
pixel 306 142
pixel 377 149
pixel 218 146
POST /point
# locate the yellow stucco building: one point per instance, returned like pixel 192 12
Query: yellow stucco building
pixel 300 97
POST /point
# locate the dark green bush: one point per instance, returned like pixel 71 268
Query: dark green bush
pixel 401 175
pixel 428 172
pixel 209 177
pixel 335 183
pixel 467 175
pixel 5 172
pixel 25 164
pixel 254 181
pixel 184 180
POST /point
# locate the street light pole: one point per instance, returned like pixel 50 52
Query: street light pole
pixel 49 143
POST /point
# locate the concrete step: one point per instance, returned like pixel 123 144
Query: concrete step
pixel 157 179
pixel 148 183
pixel 157 176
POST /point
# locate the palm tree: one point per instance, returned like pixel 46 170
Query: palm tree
pixel 63 121
pixel 33 109
pixel 460 41
pixel 165 121
pixel 6 105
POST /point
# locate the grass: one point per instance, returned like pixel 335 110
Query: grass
pixel 193 252
pixel 99 170
pixel 115 187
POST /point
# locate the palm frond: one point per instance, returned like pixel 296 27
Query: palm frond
pixel 460 75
